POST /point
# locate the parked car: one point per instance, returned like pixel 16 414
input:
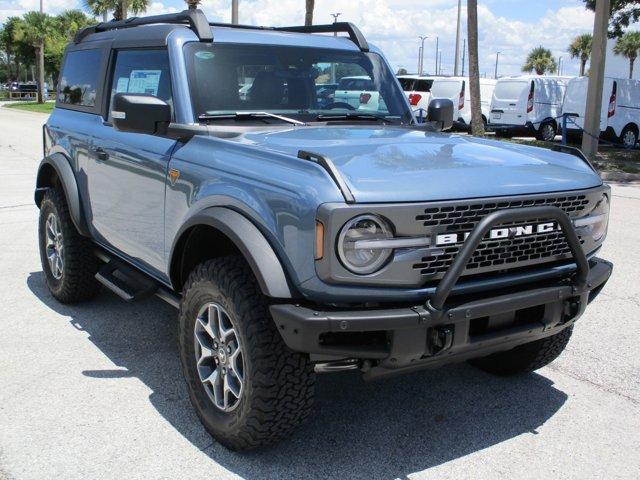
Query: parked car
pixel 417 89
pixel 457 89
pixel 296 239
pixel 528 106
pixel 359 92
pixel 620 113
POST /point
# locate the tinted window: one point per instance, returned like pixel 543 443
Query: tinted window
pixel 407 83
pixel 356 84
pixel 142 71
pixel 79 78
pixel 423 85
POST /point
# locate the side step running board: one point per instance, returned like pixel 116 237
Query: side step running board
pixel 125 282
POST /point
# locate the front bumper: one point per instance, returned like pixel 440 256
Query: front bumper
pixel 446 330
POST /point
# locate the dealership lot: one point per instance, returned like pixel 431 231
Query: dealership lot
pixel 95 390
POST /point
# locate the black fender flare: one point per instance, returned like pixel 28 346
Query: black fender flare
pixel 60 164
pixel 253 245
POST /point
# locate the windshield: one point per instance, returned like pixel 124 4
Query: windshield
pixel 442 89
pixel 298 82
pixel 506 90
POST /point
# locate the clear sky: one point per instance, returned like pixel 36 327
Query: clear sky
pixel 512 27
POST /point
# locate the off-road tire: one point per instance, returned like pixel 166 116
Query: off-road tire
pixel 78 281
pixel 525 358
pixel 278 383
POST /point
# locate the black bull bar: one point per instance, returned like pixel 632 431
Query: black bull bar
pixel 439 331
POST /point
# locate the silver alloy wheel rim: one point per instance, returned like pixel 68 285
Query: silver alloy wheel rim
pixel 54 246
pixel 219 357
pixel 629 139
pixel 548 133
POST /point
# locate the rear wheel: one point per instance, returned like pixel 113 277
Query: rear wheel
pixel 247 387
pixel 547 132
pixel 629 137
pixel 525 358
pixel 67 257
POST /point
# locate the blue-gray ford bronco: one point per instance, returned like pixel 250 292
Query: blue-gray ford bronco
pixel 299 231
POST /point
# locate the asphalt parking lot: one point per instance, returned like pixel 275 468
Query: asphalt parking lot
pixel 95 390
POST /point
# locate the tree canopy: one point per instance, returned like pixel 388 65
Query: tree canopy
pixel 623 13
pixel 628 46
pixel 541 61
pixel 581 48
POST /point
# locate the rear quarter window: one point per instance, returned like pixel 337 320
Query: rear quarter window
pixel 510 90
pixel 79 78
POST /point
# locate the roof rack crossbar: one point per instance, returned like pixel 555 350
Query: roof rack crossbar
pixel 355 34
pixel 195 18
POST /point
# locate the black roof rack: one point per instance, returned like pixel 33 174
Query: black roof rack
pixel 195 18
pixel 355 34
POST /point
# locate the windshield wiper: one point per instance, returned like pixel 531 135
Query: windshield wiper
pixel 248 115
pixel 329 117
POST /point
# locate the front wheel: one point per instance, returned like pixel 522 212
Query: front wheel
pixel 525 358
pixel 247 387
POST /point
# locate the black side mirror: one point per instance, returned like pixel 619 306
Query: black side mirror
pixel 440 113
pixel 140 113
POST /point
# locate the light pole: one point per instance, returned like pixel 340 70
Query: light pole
pixel 495 74
pixel 421 53
pixel 464 52
pixel 560 60
pixel 335 34
pixel 457 56
pixel 437 49
pixel 234 12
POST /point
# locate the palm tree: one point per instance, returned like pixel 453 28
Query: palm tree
pixel 35 29
pixel 581 48
pixel 541 60
pixel 73 20
pixel 120 8
pixel 628 46
pixel 308 15
pixel 477 126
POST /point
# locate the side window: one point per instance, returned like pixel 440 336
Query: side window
pixel 142 71
pixel 79 78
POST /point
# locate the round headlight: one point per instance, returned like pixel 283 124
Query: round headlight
pixel 356 248
pixel 600 214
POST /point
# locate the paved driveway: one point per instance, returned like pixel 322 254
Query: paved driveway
pixel 95 390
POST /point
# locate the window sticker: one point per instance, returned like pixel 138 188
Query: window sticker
pixel 144 81
pixel 123 85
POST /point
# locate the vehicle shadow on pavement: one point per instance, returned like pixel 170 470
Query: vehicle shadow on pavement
pixel 386 429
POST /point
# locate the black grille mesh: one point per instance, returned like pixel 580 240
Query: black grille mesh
pixel 497 254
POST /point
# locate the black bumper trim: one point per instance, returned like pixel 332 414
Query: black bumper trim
pixel 302 328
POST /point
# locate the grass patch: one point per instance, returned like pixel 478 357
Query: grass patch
pixel 609 158
pixel 32 106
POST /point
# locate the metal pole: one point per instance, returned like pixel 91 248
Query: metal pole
pixel 440 63
pixel 335 34
pixel 421 61
pixel 457 56
pixel 464 51
pixel 234 12
pixel 596 80
pixel 495 74
pixel 437 48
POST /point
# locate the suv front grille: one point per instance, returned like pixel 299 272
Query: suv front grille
pixel 493 255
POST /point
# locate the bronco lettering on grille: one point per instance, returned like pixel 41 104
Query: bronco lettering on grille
pixel 499 233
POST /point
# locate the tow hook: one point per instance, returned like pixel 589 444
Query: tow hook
pixel 439 339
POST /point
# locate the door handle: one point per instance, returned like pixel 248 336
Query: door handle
pixel 101 154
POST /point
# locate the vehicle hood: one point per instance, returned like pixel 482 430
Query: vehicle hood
pixel 395 164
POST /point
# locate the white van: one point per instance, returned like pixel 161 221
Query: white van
pixel 359 92
pixel 457 90
pixel 417 89
pixel 528 105
pixel 620 114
